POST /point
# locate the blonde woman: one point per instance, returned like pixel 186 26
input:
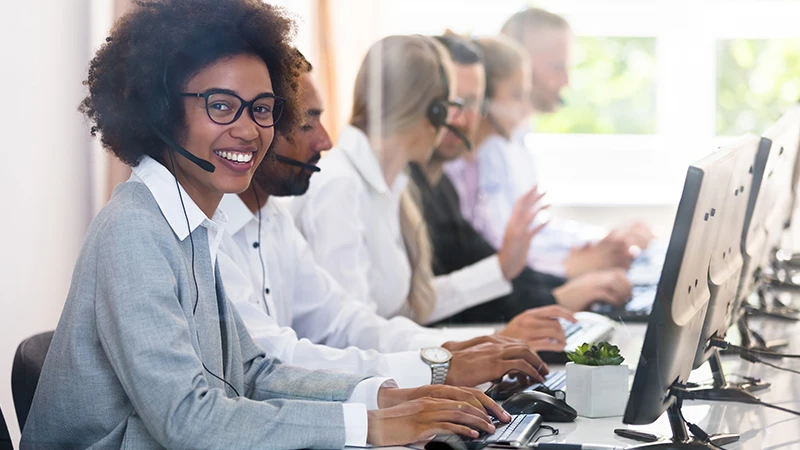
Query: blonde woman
pixel 491 179
pixel 362 222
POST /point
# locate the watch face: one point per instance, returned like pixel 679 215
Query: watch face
pixel 436 355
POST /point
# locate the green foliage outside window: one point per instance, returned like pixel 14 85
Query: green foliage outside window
pixel 757 80
pixel 612 88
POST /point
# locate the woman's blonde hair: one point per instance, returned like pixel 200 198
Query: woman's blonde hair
pixel 398 80
pixel 502 56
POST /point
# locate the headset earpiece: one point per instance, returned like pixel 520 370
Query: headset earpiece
pixel 438 108
pixel 437 113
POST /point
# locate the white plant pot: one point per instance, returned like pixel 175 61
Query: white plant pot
pixel 597 391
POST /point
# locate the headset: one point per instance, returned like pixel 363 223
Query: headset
pixel 162 110
pixel 437 111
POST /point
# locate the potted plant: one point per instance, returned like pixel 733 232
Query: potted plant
pixel 597 382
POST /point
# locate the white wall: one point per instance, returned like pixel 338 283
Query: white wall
pixel 45 176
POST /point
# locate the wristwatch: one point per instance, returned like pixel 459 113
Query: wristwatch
pixel 439 360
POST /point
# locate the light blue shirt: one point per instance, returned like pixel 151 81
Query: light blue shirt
pixel 488 187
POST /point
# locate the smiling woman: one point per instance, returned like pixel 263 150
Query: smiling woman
pixel 146 321
pixel 166 360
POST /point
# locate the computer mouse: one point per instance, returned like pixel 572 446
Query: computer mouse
pixel 530 402
pixel 512 382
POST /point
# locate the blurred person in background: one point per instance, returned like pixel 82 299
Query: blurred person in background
pixel 456 244
pixel 506 168
pixel 360 216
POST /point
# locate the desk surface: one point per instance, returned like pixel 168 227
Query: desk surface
pixel 760 428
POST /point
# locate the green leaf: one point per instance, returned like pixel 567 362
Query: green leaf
pixel 602 354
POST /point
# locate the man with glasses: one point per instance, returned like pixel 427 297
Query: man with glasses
pixel 298 313
pixel 456 244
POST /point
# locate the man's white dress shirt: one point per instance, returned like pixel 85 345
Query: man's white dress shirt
pixel 351 220
pixel 296 311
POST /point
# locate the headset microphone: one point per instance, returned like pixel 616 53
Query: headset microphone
pixel 459 135
pixel 202 163
pixel 437 111
pixel 294 162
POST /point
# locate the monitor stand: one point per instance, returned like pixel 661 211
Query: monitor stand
pixel 723 390
pixel 680 434
pixel 750 339
pixel 769 305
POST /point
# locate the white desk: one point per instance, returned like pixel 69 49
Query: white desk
pixel 760 428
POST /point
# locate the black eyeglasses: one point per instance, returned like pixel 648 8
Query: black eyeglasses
pixel 225 107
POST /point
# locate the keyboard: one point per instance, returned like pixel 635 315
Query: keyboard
pixel 591 328
pixel 516 433
pixel 554 381
pixel 636 310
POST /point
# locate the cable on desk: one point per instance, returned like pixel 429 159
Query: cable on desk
pixel 775 366
pixel 553 432
pixel 755 359
pixel 725 345
pixel 696 431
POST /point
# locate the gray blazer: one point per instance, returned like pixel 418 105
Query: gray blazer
pixel 125 368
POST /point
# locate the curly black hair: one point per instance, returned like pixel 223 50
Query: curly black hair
pixel 156 48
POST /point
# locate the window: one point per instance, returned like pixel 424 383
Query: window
pixel 612 88
pixel 655 84
pixel 757 79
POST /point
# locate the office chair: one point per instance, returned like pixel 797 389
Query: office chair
pixel 25 372
pixel 5 436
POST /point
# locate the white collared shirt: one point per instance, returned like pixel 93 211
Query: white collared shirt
pixel 162 186
pixel 305 308
pixel 351 220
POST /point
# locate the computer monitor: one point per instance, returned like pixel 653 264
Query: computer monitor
pixel 727 263
pixel 777 267
pixel 795 113
pixel 679 309
pixel 725 267
pixel 786 134
pixel 754 233
pixel 785 137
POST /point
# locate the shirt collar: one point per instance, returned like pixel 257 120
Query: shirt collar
pixel 161 184
pixel 355 144
pixel 520 134
pixel 237 211
pixel 239 215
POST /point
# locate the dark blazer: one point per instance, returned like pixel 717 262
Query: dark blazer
pixel 456 245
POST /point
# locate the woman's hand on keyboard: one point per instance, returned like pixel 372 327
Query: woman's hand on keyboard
pixel 637 233
pixel 389 397
pixel 455 346
pixel 607 286
pixel 612 251
pixel 486 362
pixel 421 418
pixel 540 328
